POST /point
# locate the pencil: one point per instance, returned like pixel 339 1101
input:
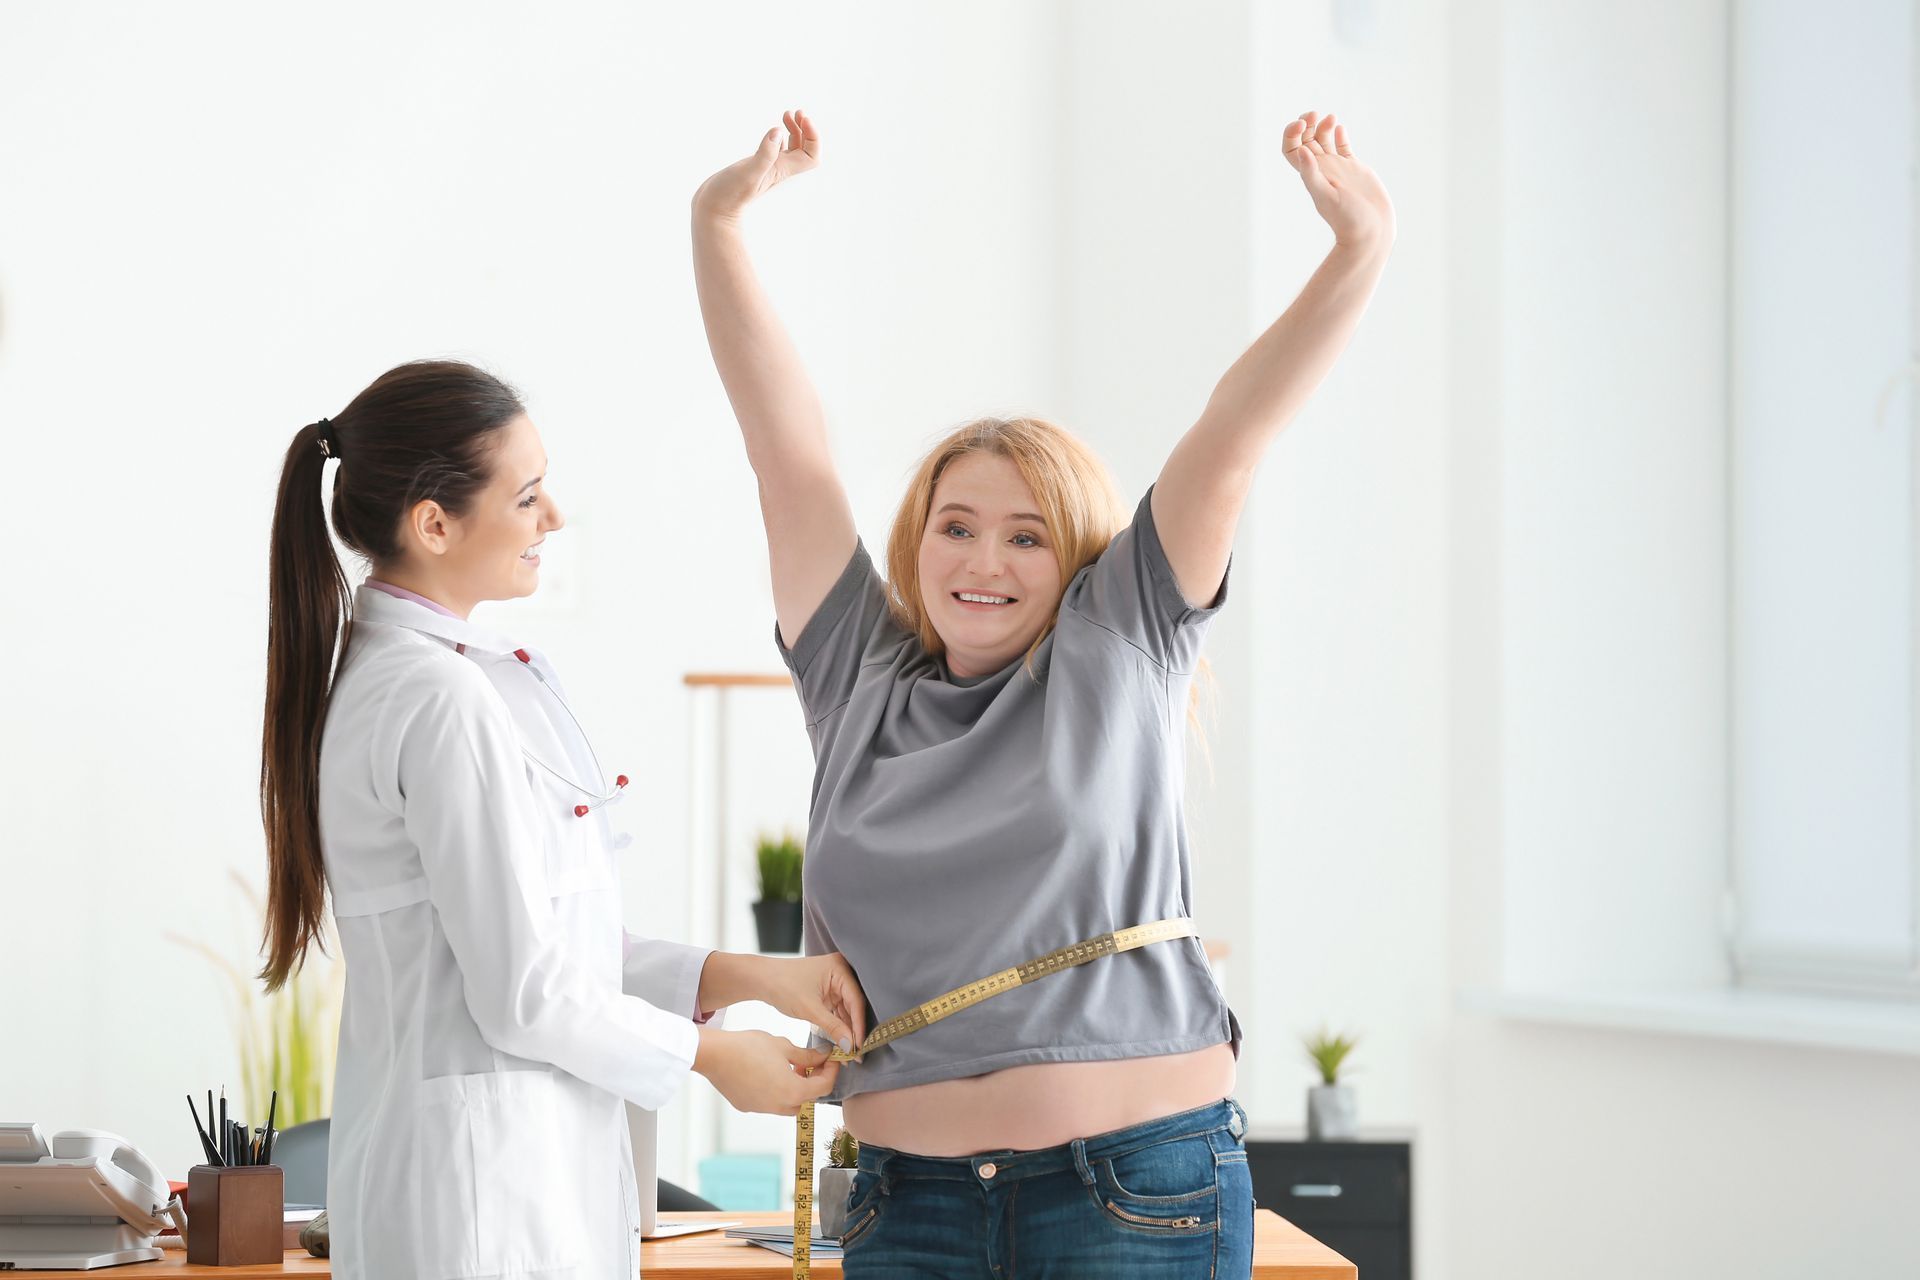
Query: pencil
pixel 206 1143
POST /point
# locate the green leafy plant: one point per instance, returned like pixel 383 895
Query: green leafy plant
pixel 844 1150
pixel 780 864
pixel 286 1040
pixel 1328 1053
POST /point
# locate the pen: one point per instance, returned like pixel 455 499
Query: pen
pixel 226 1130
pixel 206 1143
pixel 266 1154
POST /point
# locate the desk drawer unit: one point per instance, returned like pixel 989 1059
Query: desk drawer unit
pixel 1354 1196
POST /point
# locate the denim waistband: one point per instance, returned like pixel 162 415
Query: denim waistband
pixel 1009 1166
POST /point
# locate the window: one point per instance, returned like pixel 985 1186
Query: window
pixel 1825 527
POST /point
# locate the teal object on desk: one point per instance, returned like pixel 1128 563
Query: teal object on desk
pixel 738 1181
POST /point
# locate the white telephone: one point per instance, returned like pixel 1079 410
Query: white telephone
pixel 85 1199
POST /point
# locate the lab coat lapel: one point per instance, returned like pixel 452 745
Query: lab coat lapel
pixel 547 730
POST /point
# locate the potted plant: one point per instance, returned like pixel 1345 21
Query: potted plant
pixel 1331 1113
pixel 836 1182
pixel 286 1040
pixel 776 917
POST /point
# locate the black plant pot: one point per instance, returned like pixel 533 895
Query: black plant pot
pixel 778 924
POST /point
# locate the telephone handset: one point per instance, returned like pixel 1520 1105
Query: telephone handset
pixel 86 1198
pixel 151 1189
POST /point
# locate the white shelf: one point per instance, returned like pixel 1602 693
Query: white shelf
pixel 1724 1013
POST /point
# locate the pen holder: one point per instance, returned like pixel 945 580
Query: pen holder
pixel 234 1215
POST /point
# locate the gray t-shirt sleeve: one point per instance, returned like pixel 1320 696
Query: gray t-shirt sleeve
pixel 848 627
pixel 1131 591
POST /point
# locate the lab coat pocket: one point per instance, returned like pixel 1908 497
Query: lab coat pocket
pixel 494 1198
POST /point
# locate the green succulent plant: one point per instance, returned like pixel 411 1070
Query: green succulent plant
pixel 844 1150
pixel 1328 1053
pixel 780 863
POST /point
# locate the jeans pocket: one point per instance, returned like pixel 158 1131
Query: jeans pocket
pixel 863 1206
pixel 1171 1186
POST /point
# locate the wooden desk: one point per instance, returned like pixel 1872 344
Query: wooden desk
pixel 1281 1251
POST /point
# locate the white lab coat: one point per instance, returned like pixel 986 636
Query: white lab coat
pixel 496 1013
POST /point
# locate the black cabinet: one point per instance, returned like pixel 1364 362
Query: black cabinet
pixel 1356 1197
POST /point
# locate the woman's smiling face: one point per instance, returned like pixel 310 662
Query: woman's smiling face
pixel 492 550
pixel 511 517
pixel 989 575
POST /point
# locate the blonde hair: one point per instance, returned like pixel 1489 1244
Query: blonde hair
pixel 1067 480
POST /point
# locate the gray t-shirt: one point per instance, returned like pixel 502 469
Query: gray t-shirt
pixel 963 826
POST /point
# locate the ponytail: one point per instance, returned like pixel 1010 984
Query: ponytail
pixel 306 605
pixel 422 430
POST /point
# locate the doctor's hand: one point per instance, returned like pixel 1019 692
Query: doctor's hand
pixel 756 1071
pixel 823 991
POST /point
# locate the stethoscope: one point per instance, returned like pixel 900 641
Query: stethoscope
pixel 594 798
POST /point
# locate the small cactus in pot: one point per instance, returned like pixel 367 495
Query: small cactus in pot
pixel 836 1182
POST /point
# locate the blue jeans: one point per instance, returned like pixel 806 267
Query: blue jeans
pixel 1168 1198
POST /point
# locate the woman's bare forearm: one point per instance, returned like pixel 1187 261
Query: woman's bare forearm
pixel 810 530
pixel 773 397
pixel 1204 485
pixel 729 977
pixel 1265 388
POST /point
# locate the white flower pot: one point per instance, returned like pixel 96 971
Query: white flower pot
pixel 831 1187
pixel 1332 1113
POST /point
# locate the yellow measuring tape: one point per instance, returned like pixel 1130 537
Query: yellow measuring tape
pixel 945 1006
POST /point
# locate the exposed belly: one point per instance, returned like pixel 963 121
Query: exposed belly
pixel 1040 1105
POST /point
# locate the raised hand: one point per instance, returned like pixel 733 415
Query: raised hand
pixel 791 147
pixel 1345 192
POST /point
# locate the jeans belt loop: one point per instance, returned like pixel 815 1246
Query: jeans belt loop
pixel 1080 1164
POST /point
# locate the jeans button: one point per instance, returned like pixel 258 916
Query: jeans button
pixel 988 1169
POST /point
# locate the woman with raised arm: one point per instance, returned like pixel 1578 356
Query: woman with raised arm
pixel 998 737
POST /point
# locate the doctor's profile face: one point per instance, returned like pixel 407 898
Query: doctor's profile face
pixel 491 551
